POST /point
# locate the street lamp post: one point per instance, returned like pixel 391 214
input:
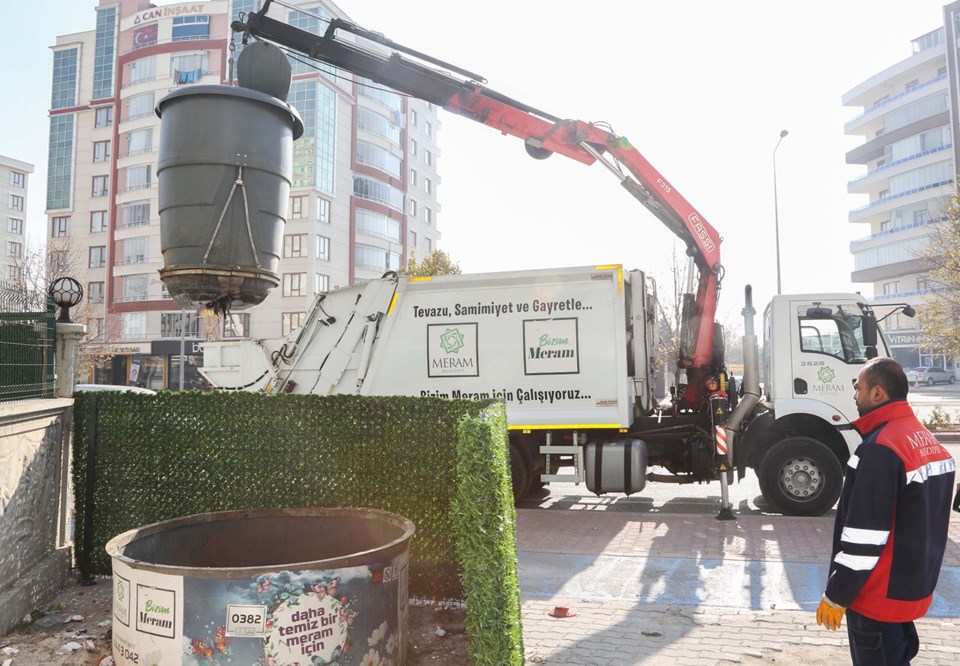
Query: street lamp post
pixel 776 213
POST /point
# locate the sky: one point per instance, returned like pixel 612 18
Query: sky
pixel 702 89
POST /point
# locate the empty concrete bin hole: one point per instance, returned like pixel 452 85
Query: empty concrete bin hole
pixel 270 587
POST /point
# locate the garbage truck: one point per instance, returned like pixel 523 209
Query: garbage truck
pixel 573 351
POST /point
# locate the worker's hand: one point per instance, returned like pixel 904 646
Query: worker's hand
pixel 829 614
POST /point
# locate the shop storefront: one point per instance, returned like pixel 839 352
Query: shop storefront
pixel 154 365
pixel 909 350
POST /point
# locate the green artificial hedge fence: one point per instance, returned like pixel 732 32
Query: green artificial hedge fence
pixel 140 459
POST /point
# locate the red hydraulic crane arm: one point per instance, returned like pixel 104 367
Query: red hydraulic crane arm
pixel 542 134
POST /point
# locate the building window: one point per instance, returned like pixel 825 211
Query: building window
pixel 377 157
pixel 413 146
pixel 191 27
pixel 16 202
pixel 376 224
pixel 95 327
pixel 413 177
pixel 428 186
pixel 429 243
pixel 142 70
pixel 323 248
pixel 379 192
pixel 891 288
pixel 140 141
pixel 64 92
pixel 188 68
pixel 295 245
pixel 101 186
pixel 138 177
pixel 104 47
pixel 291 321
pixel 58 261
pixel 103 117
pixel 298 207
pixel 427 215
pixel 135 287
pixel 170 325
pixel 413 207
pixel 371 121
pixel 60 162
pixel 412 240
pixel 140 106
pixel 98 256
pixel 373 258
pixel 60 227
pixel 236 325
pixel 133 325
pixel 135 250
pixel 428 157
pixel 18 179
pixel 135 214
pixel 15 274
pixel 95 292
pixel 14 249
pixel 101 151
pixel 413 116
pixel 428 129
pixel 15 225
pixel 98 221
pixel 323 210
pixel 321 283
pixel 294 284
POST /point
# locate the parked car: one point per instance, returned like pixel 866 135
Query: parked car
pixel 112 387
pixel 931 375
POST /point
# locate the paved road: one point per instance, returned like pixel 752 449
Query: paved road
pixel 655 578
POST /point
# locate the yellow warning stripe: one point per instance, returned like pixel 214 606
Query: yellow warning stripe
pixel 619 269
pixel 393 301
pixel 568 426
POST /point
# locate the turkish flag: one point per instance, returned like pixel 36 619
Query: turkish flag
pixel 145 36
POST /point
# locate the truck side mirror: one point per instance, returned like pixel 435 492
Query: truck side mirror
pixel 869 325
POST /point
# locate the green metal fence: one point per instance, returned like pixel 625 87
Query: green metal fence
pixel 28 332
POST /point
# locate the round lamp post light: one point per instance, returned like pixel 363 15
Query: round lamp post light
pixel 66 293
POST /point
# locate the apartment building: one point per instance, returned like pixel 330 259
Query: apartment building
pixel 364 195
pixel 908 115
pixel 14 180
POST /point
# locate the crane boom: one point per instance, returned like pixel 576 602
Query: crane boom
pixel 462 92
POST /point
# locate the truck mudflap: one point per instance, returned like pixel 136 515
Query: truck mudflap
pixel 616 467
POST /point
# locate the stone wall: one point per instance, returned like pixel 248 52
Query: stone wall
pixel 34 528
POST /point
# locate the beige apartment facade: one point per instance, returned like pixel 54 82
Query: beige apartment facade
pixel 364 195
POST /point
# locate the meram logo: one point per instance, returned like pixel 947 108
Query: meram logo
pixel 826 375
pixel 451 341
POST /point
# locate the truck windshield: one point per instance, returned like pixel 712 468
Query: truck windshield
pixel 833 331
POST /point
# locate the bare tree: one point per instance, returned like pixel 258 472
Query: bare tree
pixel 939 315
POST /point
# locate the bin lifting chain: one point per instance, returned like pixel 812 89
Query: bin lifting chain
pixel 246 217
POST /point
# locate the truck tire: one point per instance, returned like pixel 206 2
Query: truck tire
pixel 951 379
pixel 801 477
pixel 519 472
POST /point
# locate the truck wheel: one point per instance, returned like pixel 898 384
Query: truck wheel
pixel 951 379
pixel 519 473
pixel 801 477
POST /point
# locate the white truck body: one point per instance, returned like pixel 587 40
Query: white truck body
pixel 551 343
pixel 571 352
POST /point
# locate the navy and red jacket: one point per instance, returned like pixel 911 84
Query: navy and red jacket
pixel 891 526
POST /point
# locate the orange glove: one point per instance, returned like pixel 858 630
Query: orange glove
pixel 829 614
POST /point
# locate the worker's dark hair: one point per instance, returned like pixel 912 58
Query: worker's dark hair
pixel 886 372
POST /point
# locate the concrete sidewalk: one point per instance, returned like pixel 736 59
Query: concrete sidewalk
pixel 650 588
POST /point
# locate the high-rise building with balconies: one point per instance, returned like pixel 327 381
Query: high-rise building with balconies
pixel 363 197
pixel 14 180
pixel 908 120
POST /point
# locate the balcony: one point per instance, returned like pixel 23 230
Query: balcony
pixel 133 259
pixel 883 104
pixel 885 167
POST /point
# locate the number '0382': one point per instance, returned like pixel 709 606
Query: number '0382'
pixel 244 618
